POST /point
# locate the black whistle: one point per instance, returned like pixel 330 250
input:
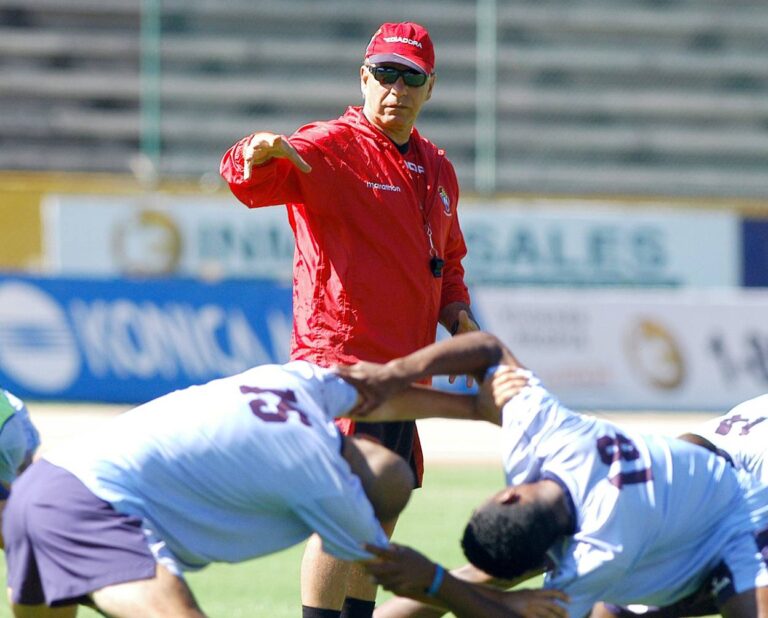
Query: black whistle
pixel 436 266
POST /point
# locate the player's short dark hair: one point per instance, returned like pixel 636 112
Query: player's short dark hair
pixel 507 540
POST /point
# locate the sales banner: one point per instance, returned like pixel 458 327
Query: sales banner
pixel 645 350
pixel 544 243
pixel 118 340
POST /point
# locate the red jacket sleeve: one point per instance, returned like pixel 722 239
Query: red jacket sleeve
pixel 454 289
pixel 275 182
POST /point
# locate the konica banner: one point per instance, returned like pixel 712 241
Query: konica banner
pixel 648 350
pixel 119 340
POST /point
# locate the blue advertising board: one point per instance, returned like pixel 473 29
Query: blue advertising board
pixel 128 341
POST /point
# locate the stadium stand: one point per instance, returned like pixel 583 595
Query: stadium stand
pixel 646 97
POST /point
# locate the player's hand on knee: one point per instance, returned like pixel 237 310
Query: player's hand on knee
pixel 400 569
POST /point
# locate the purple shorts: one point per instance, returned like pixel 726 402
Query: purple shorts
pixel 62 542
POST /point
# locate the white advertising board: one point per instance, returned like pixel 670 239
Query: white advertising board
pixel 509 243
pixel 107 235
pixel 581 243
pixel 621 349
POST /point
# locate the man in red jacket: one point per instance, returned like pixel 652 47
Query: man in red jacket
pixel 377 266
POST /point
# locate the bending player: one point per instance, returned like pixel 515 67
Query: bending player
pixel 741 437
pixel 230 470
pixel 611 515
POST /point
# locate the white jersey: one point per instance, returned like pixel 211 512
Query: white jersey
pixel 653 515
pixel 234 469
pixel 741 435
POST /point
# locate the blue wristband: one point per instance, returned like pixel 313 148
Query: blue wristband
pixel 437 581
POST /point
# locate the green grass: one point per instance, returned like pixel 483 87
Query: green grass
pixel 432 522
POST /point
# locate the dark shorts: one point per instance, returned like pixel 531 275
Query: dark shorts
pixel 706 601
pixel 62 542
pixel 400 437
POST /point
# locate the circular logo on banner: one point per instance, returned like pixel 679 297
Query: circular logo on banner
pixel 37 348
pixel 147 243
pixel 655 353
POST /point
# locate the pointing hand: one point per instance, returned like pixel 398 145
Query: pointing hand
pixel 261 147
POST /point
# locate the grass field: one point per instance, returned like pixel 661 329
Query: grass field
pixel 269 587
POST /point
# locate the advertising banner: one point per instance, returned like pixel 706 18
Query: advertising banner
pixel 509 243
pixel 129 341
pixel 159 235
pixel 581 244
pixel 755 233
pixel 646 350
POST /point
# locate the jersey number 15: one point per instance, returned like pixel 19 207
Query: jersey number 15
pixel 273 405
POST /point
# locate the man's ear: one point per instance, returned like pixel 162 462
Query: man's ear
pixel 364 75
pixel 431 85
pixel 508 496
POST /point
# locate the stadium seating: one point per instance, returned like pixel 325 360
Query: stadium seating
pixel 641 97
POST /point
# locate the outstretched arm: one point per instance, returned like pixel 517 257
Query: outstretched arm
pixel 470 353
pixel 418 402
pixel 408 573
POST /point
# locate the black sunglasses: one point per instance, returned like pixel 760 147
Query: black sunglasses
pixel 389 75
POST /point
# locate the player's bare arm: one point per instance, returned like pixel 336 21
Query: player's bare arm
pixel 404 607
pixel 406 572
pixel 470 353
pixel 263 146
pixel 419 402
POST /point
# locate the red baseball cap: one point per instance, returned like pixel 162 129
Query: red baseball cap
pixel 405 43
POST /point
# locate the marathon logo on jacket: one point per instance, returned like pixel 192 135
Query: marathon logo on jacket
pixel 402 39
pixel 382 187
